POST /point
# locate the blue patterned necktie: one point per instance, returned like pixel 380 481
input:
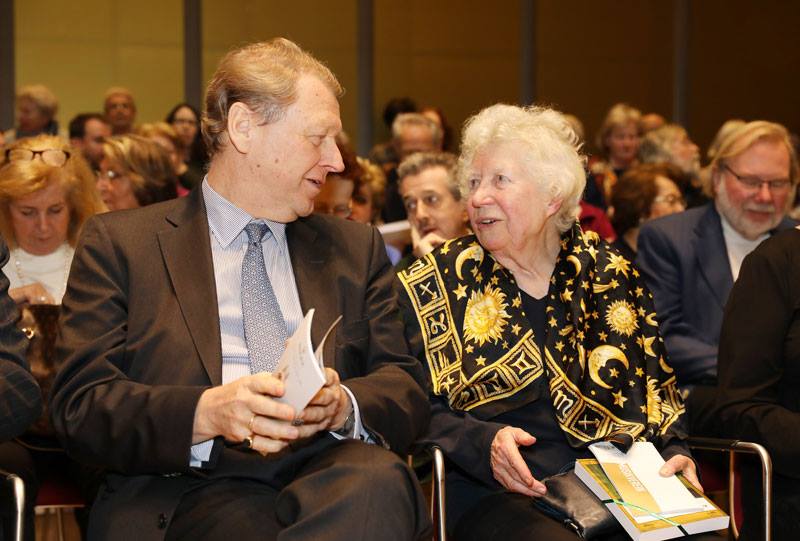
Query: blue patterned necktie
pixel 264 327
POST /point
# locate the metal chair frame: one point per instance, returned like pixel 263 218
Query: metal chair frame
pixel 18 488
pixel 737 446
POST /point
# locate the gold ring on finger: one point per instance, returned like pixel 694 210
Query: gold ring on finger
pixel 250 424
pixel 248 442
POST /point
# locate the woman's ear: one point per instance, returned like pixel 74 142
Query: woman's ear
pixel 240 127
pixel 554 206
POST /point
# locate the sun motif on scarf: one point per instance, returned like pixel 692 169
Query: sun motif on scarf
pixel 621 317
pixel 486 317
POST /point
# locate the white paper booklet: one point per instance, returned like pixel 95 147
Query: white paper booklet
pixel 635 476
pixel 301 368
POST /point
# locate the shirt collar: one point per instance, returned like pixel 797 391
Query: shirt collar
pixel 227 221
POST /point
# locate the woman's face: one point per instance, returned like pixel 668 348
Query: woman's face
pixel 623 144
pixel 361 204
pixel 29 117
pixel 186 125
pixel 41 219
pixel 115 186
pixel 507 208
pixel 668 199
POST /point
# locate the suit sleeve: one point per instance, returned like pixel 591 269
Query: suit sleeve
pixel 760 320
pixel 102 416
pixel 390 394
pixel 20 399
pixel 690 355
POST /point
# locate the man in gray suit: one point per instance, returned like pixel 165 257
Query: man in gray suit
pixel 691 259
pixel 173 311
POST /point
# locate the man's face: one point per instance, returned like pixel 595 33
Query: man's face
pixel 290 159
pixel 686 155
pixel 91 145
pixel 753 211
pixel 414 139
pixel 120 111
pixel 431 206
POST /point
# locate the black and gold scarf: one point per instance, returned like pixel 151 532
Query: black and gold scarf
pixel 603 358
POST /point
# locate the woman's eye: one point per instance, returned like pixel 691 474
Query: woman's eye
pixel 473 183
pixel 502 179
pixel 56 210
pixel 317 139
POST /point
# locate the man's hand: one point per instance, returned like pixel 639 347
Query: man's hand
pixel 683 464
pixel 509 467
pixel 329 408
pixel 245 409
pixel 424 245
pixel 34 293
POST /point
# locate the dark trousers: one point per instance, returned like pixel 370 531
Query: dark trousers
pixel 350 491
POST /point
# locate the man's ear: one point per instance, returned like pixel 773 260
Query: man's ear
pixel 240 127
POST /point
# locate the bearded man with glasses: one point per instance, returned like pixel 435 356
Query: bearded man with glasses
pixel 690 260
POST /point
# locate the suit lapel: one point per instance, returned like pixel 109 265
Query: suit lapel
pixel 186 250
pixel 310 256
pixel 712 255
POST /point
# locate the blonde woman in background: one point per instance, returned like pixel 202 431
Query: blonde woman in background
pixel 47 192
pixel 167 137
pixel 618 143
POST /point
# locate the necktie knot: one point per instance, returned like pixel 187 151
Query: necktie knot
pixel 256 231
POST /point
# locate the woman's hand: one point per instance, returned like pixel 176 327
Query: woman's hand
pixel 682 464
pixel 34 293
pixel 509 467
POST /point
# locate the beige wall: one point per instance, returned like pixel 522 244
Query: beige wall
pixel 79 49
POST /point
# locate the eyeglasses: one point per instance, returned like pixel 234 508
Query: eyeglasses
pixel 670 199
pixel 110 175
pixel 51 156
pixel 185 121
pixel 342 211
pixel 753 183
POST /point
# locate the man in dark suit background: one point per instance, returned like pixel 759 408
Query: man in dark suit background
pixel 163 348
pixel 690 260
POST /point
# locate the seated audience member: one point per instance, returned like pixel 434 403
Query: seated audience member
pixel 690 260
pixel 120 110
pixel 644 192
pixel 135 172
pixel 87 133
pixel 47 192
pixel 368 196
pixel 618 142
pixel 432 197
pixel 36 113
pixel 185 120
pixel 166 137
pixel 759 374
pixel 728 127
pixel 411 132
pixel 671 144
pixel 577 126
pixel 336 194
pixel 437 115
pixel 651 121
pixel 545 343
pixel 384 154
pixel 20 400
pixel 176 316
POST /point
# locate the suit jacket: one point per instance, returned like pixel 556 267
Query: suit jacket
pixel 20 399
pixel 140 341
pixel 685 264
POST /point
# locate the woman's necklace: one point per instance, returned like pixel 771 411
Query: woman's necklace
pixel 23 277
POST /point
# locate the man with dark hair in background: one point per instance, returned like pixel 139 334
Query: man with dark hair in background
pixel 87 132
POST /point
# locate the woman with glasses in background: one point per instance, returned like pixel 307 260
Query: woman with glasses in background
pixel 135 172
pixel 47 192
pixel 336 194
pixel 185 120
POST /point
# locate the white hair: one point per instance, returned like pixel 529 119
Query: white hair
pixel 552 157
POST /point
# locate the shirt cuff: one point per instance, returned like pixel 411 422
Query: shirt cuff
pixel 358 428
pixel 200 453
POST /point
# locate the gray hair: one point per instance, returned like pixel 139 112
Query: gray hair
pixel 421 161
pixel 553 157
pixel 657 144
pixel 416 119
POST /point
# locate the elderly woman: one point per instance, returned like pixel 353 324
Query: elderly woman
pixel 46 194
pixel 539 339
pixel 646 192
pixel 618 142
pixel 36 111
pixel 135 172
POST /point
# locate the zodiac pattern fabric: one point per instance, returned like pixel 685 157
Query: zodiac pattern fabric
pixel 604 360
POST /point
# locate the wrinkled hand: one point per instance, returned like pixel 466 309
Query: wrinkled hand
pixel 509 467
pixel 329 408
pixel 683 464
pixel 246 408
pixel 34 293
pixel 424 245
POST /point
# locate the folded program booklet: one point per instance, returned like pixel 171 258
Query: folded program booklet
pixel 301 368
